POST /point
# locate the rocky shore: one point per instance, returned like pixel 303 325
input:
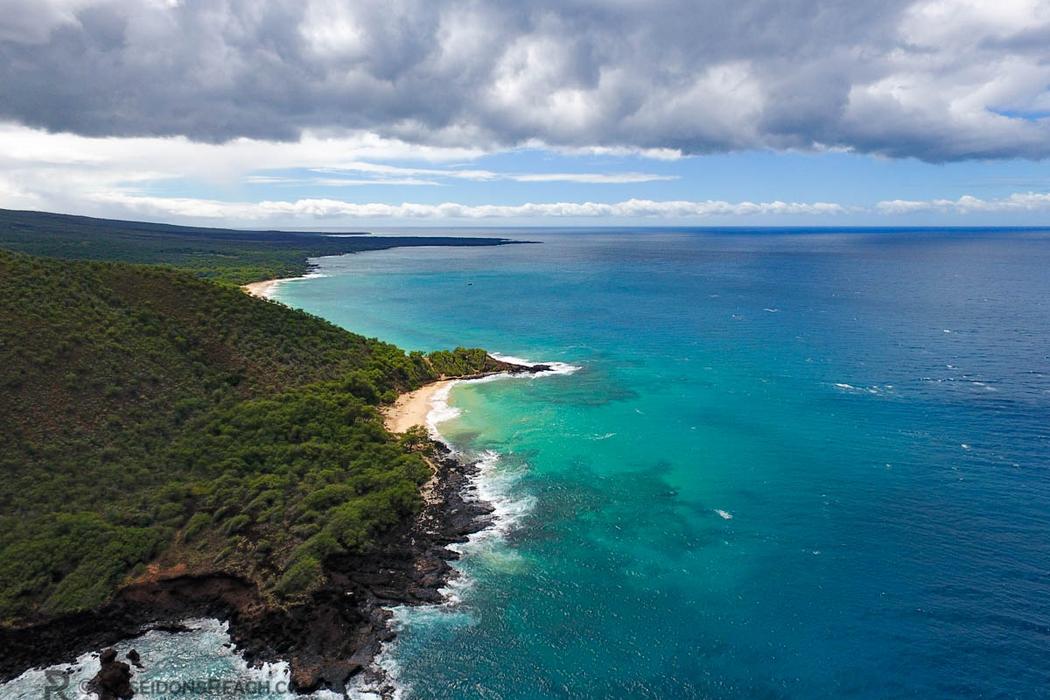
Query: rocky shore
pixel 341 630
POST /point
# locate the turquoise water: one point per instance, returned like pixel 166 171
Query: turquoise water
pixel 791 465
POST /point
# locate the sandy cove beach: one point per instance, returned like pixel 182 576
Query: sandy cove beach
pixel 411 409
pixel 265 288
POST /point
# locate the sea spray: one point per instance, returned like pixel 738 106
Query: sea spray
pixel 174 664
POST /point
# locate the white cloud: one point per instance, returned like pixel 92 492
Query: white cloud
pixel 968 204
pixel 333 209
pixel 45 161
pixel 615 178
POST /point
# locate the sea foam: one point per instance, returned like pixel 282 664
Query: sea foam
pixel 201 653
pixel 493 482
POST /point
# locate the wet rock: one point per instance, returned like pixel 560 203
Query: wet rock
pixel 113 680
pixel 135 659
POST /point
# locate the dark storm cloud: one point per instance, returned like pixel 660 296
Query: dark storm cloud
pixel 940 80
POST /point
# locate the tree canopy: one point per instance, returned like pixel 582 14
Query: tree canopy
pixel 151 417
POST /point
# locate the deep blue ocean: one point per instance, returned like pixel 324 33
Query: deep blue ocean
pixel 790 465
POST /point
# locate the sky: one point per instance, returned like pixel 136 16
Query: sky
pixel 337 114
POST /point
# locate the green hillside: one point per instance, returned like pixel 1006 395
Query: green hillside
pixel 150 416
pixel 220 254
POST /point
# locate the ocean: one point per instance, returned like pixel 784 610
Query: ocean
pixel 791 464
pixel 775 464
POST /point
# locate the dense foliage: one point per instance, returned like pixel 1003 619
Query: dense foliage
pixel 219 254
pixel 154 418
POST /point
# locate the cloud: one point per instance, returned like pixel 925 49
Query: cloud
pixel 475 175
pixel 129 177
pixel 968 204
pixel 333 209
pixel 38 157
pixel 933 79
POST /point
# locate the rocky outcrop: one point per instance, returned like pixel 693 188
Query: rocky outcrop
pixel 494 366
pixel 113 680
pixel 339 632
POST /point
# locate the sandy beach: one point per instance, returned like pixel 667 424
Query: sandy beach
pixel 265 288
pixel 411 409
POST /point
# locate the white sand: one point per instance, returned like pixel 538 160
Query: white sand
pixel 264 289
pixel 411 409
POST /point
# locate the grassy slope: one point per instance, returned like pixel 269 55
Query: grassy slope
pixel 154 417
pixel 219 254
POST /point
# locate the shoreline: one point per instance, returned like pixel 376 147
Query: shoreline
pixel 412 409
pixel 265 289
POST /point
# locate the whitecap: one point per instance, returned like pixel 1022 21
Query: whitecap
pixel 440 410
pixel 495 484
pixel 555 367
pixel 863 389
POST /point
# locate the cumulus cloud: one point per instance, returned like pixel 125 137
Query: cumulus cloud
pixel 933 79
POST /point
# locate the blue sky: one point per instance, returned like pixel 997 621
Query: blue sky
pixel 858 182
pixel 849 179
pixel 331 113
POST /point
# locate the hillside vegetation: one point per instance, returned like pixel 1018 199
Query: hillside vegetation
pixel 153 417
pixel 225 255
